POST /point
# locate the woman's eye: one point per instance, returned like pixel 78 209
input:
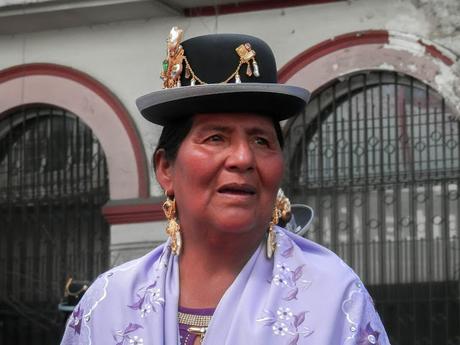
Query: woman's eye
pixel 215 138
pixel 262 141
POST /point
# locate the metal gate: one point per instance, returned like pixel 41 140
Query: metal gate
pixel 53 182
pixel 377 155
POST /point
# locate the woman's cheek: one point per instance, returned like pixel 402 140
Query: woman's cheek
pixel 275 170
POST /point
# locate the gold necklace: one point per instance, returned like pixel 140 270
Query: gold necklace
pixel 197 324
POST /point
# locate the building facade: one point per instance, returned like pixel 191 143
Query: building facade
pixel 375 153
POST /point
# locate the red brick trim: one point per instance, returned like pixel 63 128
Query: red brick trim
pixel 329 46
pixel 345 41
pixel 257 5
pixel 436 53
pixel 104 93
pixel 133 211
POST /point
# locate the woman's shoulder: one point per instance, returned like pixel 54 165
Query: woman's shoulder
pixel 119 284
pixel 127 276
pixel 315 255
pixel 332 292
pixel 116 300
pixel 139 264
pixel 320 265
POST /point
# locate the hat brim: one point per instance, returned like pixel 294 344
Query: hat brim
pixel 301 218
pixel 278 101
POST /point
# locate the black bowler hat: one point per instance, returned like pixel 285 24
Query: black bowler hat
pixel 220 73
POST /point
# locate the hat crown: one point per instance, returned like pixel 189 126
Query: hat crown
pixel 219 73
pixel 213 59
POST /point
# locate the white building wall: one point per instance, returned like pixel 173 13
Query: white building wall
pixel 129 241
pixel 126 56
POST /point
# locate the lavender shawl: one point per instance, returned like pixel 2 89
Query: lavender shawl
pixel 306 295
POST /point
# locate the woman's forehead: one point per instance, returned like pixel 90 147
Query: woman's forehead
pixel 229 120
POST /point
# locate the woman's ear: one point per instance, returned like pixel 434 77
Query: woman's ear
pixel 163 171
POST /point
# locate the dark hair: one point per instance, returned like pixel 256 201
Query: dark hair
pixel 173 135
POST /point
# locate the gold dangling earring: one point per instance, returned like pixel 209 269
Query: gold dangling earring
pixel 173 227
pixel 271 236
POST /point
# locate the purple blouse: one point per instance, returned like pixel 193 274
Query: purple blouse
pixel 187 338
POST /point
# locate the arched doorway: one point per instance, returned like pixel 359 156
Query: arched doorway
pixel 376 154
pixel 53 183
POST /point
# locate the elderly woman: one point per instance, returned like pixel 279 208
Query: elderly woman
pixel 227 274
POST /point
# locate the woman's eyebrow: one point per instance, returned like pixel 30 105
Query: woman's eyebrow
pixel 261 130
pixel 256 130
pixel 213 127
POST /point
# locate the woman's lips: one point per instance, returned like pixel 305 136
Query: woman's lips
pixel 237 189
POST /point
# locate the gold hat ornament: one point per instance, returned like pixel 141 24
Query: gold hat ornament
pixel 172 65
pixel 175 56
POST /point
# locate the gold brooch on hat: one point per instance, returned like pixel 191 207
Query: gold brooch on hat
pixel 173 64
pixel 247 55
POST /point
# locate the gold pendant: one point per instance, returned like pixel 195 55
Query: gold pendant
pixel 200 331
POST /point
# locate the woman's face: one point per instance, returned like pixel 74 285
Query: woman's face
pixel 226 173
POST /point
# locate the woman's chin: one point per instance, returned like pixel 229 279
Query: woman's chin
pixel 239 226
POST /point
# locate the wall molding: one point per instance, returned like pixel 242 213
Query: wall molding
pixel 98 108
pixel 133 211
pixel 249 6
pixel 384 50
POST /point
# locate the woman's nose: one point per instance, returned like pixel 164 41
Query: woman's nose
pixel 241 157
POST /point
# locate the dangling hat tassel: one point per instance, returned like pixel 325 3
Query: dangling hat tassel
pixel 248 70
pixel 237 79
pixel 255 66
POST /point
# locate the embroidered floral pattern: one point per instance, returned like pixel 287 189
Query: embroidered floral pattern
pixel 147 298
pixel 367 336
pixel 285 323
pixel 283 267
pixel 357 304
pixel 288 276
pixel 125 336
pixel 280 328
pixel 284 313
pixel 136 340
pixel 75 322
pixel 145 309
pixel 281 280
pixel 353 306
pixel 79 320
